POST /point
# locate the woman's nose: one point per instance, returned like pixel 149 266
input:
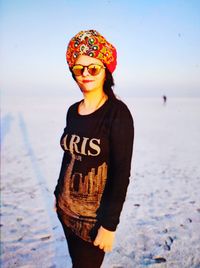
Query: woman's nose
pixel 85 71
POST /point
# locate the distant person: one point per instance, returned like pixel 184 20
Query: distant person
pixel 97 143
pixel 164 99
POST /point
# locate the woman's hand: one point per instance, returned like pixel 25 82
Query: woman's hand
pixel 104 239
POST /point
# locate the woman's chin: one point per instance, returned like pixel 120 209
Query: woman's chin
pixel 86 90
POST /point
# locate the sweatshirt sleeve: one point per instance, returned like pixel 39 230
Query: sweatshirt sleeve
pixel 121 146
pixel 64 158
pixel 62 169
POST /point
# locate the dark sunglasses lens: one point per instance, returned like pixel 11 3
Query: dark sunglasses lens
pixel 94 69
pixel 77 70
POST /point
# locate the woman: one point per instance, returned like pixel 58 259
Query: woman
pixel 97 143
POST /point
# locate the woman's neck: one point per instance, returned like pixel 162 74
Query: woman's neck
pixel 92 101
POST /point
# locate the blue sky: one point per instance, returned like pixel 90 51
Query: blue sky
pixel 158 44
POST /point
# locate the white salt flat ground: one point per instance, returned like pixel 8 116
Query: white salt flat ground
pixel 161 216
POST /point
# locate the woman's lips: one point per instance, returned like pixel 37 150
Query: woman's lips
pixel 87 81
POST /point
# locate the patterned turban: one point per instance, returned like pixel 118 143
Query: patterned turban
pixel 92 44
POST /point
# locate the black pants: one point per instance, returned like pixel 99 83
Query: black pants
pixel 83 254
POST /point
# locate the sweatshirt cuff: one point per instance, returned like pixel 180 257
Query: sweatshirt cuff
pixel 109 226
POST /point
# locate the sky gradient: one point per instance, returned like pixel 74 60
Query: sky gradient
pixel 158 45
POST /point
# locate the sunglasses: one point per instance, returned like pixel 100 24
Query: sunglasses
pixel 93 69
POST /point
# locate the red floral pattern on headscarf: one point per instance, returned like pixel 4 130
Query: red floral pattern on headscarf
pixel 92 44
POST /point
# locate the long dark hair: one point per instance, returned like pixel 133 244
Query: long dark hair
pixel 108 84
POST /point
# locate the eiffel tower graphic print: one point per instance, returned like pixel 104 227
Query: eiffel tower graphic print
pixel 81 195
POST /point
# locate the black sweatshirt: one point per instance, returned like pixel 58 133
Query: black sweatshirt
pixel 95 169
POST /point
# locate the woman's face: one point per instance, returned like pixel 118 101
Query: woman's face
pixel 86 81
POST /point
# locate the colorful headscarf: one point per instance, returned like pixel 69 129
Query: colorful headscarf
pixel 92 44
